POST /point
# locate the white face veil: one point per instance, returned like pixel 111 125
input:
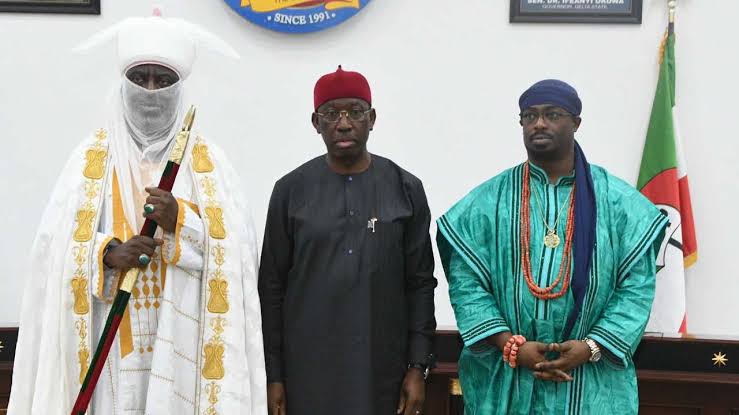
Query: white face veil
pixel 141 128
pixel 150 114
pixel 143 123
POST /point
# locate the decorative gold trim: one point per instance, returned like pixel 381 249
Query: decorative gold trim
pixel 177 233
pixel 94 170
pixel 219 291
pixel 209 187
pixel 213 210
pixel 218 301
pixel 85 218
pixel 216 283
pixel 455 388
pixel 79 281
pixel 95 157
pixel 193 206
pixel 212 389
pixel 95 163
pixel 83 353
pixel 213 352
pixel 101 268
pixel 79 289
pixel 216 225
pixel 201 161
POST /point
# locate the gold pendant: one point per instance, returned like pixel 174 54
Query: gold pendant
pixel 551 240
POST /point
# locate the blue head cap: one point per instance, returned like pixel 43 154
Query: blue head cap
pixel 552 92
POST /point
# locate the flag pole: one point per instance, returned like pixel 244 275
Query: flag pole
pixel 672 4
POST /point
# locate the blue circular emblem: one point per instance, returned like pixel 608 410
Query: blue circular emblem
pixel 297 16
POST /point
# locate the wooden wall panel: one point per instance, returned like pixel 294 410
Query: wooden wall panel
pixel 677 376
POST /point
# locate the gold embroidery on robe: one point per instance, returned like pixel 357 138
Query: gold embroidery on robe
pixel 95 157
pixel 201 161
pixel 214 350
pixel 218 302
pixel 85 219
pixel 83 354
pixel 79 288
pixel 212 389
pixel 213 368
pixel 80 254
pixel 79 281
pixel 209 187
pixel 95 163
pixel 216 225
pixel 101 134
pixel 177 234
pixel 92 188
pixel 213 211
pixel 218 294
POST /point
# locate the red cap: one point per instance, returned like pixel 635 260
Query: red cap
pixel 341 84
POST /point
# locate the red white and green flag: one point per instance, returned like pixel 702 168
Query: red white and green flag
pixel 663 178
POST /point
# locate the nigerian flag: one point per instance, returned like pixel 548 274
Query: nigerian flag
pixel 663 179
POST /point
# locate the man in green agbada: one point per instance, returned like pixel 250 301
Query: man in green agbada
pixel 599 308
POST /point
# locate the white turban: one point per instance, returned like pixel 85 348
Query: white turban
pixel 170 42
pixel 155 40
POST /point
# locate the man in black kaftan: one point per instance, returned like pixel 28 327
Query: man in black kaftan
pixel 346 279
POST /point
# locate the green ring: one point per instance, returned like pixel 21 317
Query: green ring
pixel 144 259
pixel 149 208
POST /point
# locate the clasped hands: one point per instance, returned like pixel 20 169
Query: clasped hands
pixel 532 355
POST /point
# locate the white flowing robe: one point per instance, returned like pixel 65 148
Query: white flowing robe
pixel 191 341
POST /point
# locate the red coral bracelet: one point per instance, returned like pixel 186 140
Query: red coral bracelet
pixel 510 351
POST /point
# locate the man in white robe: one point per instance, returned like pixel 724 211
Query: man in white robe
pixel 190 341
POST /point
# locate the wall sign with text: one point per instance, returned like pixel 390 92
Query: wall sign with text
pixel 576 11
pixel 297 16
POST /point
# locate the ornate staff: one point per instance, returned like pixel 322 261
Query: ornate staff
pixel 124 292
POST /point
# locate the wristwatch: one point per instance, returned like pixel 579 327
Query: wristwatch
pixel 425 367
pixel 594 349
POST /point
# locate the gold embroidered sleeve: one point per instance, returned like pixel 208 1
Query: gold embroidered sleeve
pixel 186 242
pixel 99 280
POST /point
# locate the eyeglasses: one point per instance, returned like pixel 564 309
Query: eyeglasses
pixel 354 115
pixel 530 117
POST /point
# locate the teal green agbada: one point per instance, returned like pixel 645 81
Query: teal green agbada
pixel 479 245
